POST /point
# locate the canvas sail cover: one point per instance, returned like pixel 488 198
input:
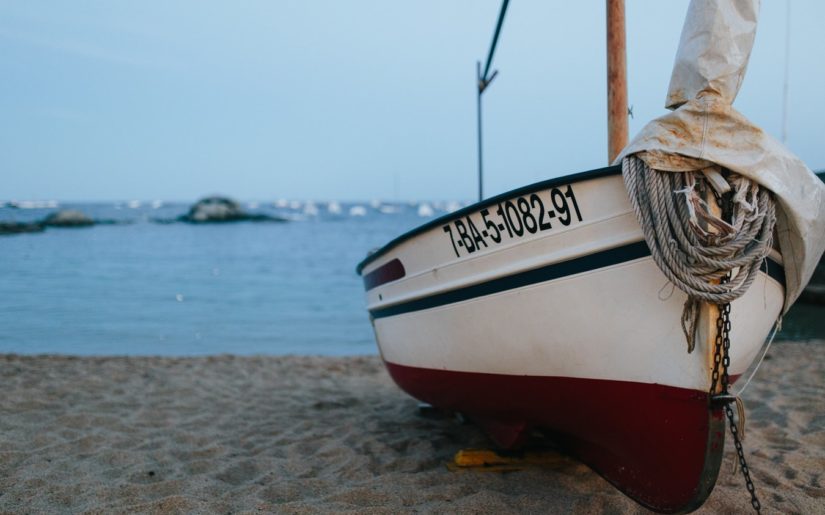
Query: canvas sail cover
pixel 705 129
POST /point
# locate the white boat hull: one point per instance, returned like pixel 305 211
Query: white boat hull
pixel 620 321
pixel 518 327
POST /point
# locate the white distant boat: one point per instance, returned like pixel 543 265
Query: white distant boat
pixel 388 209
pixel 310 209
pixel 357 211
pixel 34 204
pixel 133 204
pixel 543 308
pixel 452 206
pixel 425 210
pixel 334 208
pixel 281 203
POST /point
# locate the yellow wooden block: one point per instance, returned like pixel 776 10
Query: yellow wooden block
pixel 484 459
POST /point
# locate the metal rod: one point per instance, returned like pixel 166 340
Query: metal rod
pixel 616 80
pixel 495 39
pixel 478 110
pixel 482 81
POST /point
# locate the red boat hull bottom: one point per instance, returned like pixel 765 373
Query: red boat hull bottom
pixel 660 445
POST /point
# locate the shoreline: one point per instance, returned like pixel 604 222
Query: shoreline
pixel 304 434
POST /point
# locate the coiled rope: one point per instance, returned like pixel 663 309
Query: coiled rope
pixel 693 247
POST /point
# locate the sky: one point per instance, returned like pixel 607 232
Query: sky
pixel 355 100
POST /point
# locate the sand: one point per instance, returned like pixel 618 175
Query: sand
pixel 229 434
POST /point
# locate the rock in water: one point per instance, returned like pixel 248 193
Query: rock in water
pixel 68 218
pixel 19 227
pixel 222 209
pixel 215 209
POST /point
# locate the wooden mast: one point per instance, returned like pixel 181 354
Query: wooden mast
pixel 616 80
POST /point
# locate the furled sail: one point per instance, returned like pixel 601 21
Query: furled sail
pixel 704 129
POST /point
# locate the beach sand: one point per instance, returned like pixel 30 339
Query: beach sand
pixel 231 434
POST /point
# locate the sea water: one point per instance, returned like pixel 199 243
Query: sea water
pixel 145 286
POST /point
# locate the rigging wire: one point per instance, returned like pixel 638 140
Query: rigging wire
pixel 482 81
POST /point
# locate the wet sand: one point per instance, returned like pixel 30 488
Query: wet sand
pixel 234 434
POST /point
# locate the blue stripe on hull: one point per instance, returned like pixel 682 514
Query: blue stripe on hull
pixel 578 265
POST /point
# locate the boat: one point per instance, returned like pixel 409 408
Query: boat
pixel 544 308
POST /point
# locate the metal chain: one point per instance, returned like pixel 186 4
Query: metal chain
pixel 757 507
pixel 724 314
pixel 721 356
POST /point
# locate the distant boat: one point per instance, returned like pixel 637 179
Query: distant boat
pixel 425 210
pixel 334 208
pixel 357 211
pixel 310 209
pixel 452 206
pixel 543 308
pixel 33 204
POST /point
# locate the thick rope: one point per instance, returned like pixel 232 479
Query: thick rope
pixel 693 247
